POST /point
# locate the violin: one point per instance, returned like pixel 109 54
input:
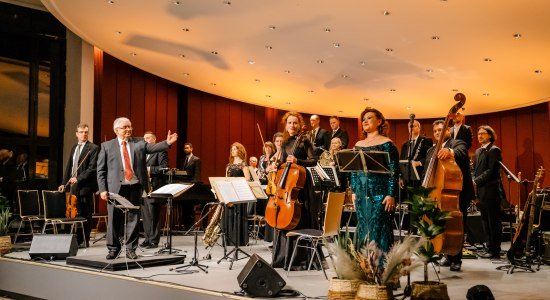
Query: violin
pixel 71 210
pixel 446 177
pixel 284 209
pixel 271 187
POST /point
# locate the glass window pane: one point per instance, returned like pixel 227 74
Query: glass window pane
pixel 43 129
pixel 14 97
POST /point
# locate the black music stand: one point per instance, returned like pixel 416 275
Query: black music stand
pixel 324 176
pixel 169 192
pixel 125 206
pixel 353 160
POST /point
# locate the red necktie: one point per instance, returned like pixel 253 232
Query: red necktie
pixel 127 168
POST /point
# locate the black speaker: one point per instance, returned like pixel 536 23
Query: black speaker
pixel 259 279
pixel 53 246
pixel 479 292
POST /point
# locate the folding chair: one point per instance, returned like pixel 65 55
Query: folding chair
pixel 101 218
pixel 314 237
pixel 30 210
pixel 54 212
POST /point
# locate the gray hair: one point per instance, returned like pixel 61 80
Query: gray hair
pixel 120 120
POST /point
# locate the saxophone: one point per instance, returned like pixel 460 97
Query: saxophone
pixel 212 231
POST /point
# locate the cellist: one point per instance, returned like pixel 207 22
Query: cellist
pixel 310 209
pixel 80 173
pixel 457 149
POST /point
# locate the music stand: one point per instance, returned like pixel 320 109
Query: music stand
pixel 125 206
pixel 353 160
pixel 236 191
pixel 169 192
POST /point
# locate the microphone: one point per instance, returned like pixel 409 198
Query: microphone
pixel 411 117
pixel 164 169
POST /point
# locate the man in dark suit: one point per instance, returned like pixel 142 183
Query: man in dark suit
pixel 338 132
pixel 157 163
pixel 121 169
pixel 420 146
pixel 454 149
pixel 489 189
pixel 461 131
pixel 318 136
pixel 80 173
pixel 192 164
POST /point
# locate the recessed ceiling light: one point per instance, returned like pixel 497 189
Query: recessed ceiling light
pixel 487 59
pixel 214 52
pixel 320 61
pixel 176 2
pixel 310 91
pixel 212 84
pixel 251 62
pixel 386 13
pixel 287 71
pixel 227 3
pixel 272 27
pixel 185 74
pixel 257 80
pixel 485 94
pixel 182 55
pixel 455 90
pixel 435 37
pixel 517 35
pixel 118 32
pixel 340 111
pixel 409 107
pixel 185 29
pixel 365 99
pixel 287 103
pixel 336 45
pixel 389 49
pixel 429 70
pixel 538 71
pixel 268 47
pixel 268 96
pixel 328 30
pixel 110 2
pixel 392 90
pixel 363 62
pixel 133 53
pixel 344 76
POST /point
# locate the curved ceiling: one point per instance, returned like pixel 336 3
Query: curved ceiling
pixel 332 57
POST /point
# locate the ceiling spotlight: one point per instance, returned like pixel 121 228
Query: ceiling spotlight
pixel 487 59
pixel 344 76
pixel 287 71
pixel 185 29
pixel 429 70
pixel 485 94
pixel 363 63
pixel 185 74
pixel 336 45
pixel 435 37
pixel 251 62
pixel 386 13
pixel 110 2
pixel 272 27
pixel 538 71
pixel 409 107
pixel 257 80
pixel 320 61
pixel 287 103
pixel 133 53
pixel 227 3
pixel 365 99
pixel 118 32
pixel 214 52
pixel 268 96
pixel 455 90
pixel 517 35
pixel 389 49
pixel 392 90
pixel 182 55
pixel 269 47
pixel 176 2
pixel 310 91
pixel 327 30
pixel 212 84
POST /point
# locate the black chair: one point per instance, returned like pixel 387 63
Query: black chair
pixel 30 210
pixel 54 212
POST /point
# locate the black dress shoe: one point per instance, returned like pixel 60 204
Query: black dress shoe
pixel 151 246
pixel 144 244
pixel 131 254
pixel 455 267
pixel 445 262
pixel 112 254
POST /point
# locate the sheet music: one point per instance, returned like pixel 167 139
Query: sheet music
pixel 172 190
pixel 258 190
pixel 244 193
pixel 227 192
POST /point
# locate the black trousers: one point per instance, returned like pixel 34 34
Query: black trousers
pixel 150 214
pixel 85 210
pixel 492 224
pixel 115 224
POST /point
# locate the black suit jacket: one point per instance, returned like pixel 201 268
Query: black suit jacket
pixel 464 133
pixel 487 173
pixel 156 162
pixel 193 169
pixel 419 151
pixel 86 174
pixel 342 134
pixel 463 161
pixel 321 141
pixel 110 170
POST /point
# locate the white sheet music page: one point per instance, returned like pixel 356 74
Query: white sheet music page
pixel 227 192
pixel 172 190
pixel 244 193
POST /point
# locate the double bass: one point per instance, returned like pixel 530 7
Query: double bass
pixel 283 209
pixel 445 176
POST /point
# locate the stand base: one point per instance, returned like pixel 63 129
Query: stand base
pixel 194 263
pixel 235 257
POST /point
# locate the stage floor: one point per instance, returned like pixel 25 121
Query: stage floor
pixel 222 282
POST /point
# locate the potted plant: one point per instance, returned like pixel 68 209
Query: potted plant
pixel 430 222
pixel 5 239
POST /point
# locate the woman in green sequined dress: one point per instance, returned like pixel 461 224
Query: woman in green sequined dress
pixel 375 193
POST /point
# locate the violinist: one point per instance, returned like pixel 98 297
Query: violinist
pixel 303 156
pixel 458 150
pixel 265 161
pixel 375 194
pixel 80 178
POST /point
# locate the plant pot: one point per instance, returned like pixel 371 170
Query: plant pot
pixel 372 292
pixel 342 289
pixel 5 244
pixel 429 290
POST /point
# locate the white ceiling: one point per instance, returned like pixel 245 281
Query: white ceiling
pixel 284 54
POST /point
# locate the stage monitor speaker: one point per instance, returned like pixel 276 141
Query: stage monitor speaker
pixel 53 246
pixel 259 279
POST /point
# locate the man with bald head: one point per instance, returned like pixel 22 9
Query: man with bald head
pixel 122 169
pixel 318 136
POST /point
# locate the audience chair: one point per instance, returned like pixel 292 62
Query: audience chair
pixel 315 237
pixel 54 212
pixel 30 210
pixel 101 218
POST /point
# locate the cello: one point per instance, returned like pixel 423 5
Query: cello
pixel 446 178
pixel 283 209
